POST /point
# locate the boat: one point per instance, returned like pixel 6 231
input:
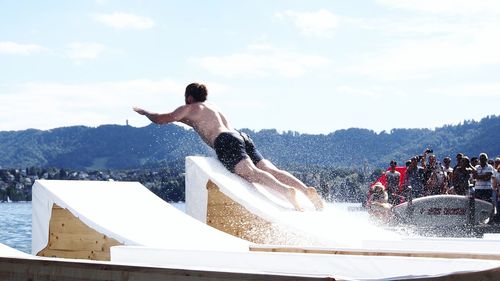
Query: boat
pixel 443 211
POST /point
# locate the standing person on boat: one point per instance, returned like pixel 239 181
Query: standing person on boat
pixel 462 176
pixel 234 149
pixel 453 175
pixel 474 161
pixel 496 187
pixel 414 177
pixel 448 172
pixel 434 176
pixel 482 175
pixel 393 177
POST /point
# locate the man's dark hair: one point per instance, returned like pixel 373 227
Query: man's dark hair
pixel 197 91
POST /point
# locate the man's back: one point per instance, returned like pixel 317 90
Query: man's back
pixel 206 120
pixel 393 180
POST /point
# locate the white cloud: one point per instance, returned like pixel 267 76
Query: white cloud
pixel 416 26
pixel 52 105
pixel 261 61
pixel 13 48
pixel 84 50
pixel 122 20
pixel 479 90
pixel 448 7
pixel 347 90
pixel 322 23
pixel 417 58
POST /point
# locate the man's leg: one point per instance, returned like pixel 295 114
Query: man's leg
pixel 289 179
pixel 247 170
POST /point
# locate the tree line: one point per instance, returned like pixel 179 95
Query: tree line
pixel 168 182
pixel 127 147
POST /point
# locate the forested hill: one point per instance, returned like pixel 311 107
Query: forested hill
pixel 120 147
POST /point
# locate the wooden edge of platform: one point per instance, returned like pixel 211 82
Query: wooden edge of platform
pixel 356 252
pixel 17 269
pixel 69 237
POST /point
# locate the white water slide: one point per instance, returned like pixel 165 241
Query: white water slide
pixel 125 211
pixel 154 233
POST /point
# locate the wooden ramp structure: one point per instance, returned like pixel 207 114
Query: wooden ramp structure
pixel 249 211
pixel 122 231
pixel 83 219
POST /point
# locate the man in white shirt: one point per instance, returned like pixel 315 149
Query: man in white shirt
pixel 482 175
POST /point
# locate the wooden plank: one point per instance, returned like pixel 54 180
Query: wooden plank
pixel 63 221
pixel 218 197
pixel 71 238
pixel 59 225
pixel 226 215
pixel 414 254
pixel 76 254
pixel 15 269
pixel 232 211
pixel 18 269
pixel 85 241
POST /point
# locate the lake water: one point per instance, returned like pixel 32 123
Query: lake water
pixel 15 224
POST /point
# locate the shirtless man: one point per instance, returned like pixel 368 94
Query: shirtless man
pixel 234 149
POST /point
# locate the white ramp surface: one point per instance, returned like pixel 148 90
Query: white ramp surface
pixel 256 198
pixel 331 228
pixel 6 251
pixel 315 226
pixel 127 212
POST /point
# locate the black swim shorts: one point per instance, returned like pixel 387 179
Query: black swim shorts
pixel 232 147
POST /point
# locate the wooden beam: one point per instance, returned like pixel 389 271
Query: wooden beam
pixel 18 269
pixel 355 252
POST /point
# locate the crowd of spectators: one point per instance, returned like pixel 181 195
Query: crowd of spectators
pixel 425 175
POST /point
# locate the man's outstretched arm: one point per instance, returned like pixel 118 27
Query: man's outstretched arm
pixel 164 118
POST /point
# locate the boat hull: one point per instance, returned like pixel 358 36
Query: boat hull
pixel 442 210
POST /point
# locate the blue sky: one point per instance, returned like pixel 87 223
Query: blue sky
pixel 306 66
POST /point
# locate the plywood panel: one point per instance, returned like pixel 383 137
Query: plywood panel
pixel 228 216
pixel 71 238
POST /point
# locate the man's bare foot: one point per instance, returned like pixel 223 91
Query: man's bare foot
pixel 291 194
pixel 314 197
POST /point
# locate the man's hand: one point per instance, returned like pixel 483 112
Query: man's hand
pixel 139 110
